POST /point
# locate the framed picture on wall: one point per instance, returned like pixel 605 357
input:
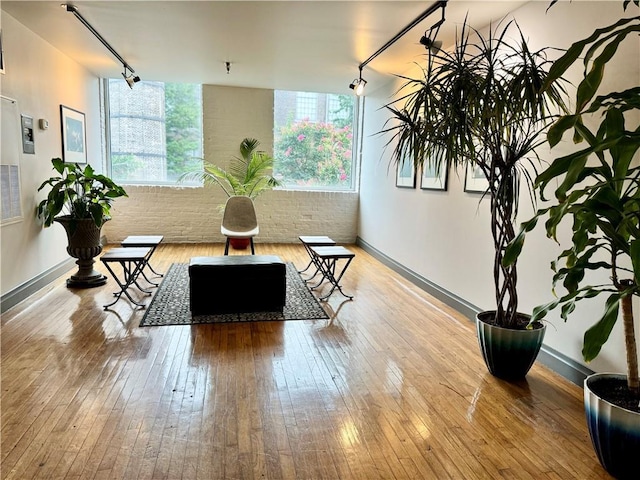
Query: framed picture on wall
pixel 74 143
pixel 432 180
pixel 1 55
pixel 474 180
pixel 405 175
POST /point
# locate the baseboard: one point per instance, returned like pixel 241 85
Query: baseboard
pixel 551 358
pixel 21 292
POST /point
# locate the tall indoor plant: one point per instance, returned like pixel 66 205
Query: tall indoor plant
pixel 80 200
pixel 599 193
pixel 480 106
pixel 248 175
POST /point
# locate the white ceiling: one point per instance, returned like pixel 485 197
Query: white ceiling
pixel 291 45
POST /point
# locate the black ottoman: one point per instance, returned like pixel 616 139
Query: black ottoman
pixel 236 284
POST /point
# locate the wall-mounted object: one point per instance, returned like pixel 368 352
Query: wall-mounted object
pixel 74 143
pixel 28 144
pixel 428 40
pixel 130 79
pixel 43 123
pixel 1 55
pixel 406 175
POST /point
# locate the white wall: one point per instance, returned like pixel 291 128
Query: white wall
pixel 231 114
pixel 40 81
pixel 45 78
pixel 445 236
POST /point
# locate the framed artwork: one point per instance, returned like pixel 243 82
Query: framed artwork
pixel 474 180
pixel 74 143
pixel 1 55
pixel 405 175
pixel 431 180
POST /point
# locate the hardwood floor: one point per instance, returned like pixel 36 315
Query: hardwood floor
pixel 393 386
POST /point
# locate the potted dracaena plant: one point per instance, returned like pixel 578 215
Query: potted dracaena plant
pixel 248 175
pixel 479 106
pixel 599 192
pixel 84 199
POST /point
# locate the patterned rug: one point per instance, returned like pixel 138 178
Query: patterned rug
pixel 170 305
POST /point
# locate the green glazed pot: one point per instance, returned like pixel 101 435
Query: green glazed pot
pixel 615 431
pixel 508 353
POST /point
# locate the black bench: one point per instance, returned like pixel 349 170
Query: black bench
pixel 236 284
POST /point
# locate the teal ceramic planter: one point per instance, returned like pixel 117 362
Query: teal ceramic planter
pixel 508 353
pixel 615 431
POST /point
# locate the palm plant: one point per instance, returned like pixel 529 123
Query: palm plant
pixel 248 175
pixel 480 106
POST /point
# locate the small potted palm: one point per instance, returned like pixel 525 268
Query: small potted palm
pixel 80 200
pixel 248 175
pixel 598 192
pixel 480 107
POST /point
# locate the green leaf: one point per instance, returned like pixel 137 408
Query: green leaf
pixel 515 246
pixel 556 131
pixel 58 165
pixel 561 65
pixel 598 334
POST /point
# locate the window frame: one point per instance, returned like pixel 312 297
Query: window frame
pixel 356 148
pixel 108 151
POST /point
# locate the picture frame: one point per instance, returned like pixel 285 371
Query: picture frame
pixel 74 138
pixel 1 55
pixel 475 180
pixel 430 180
pixel 405 175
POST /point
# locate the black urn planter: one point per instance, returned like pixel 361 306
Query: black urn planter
pixel 508 353
pixel 614 430
pixel 84 244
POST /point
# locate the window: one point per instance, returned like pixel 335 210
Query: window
pixel 155 131
pixel 306 106
pixel 313 140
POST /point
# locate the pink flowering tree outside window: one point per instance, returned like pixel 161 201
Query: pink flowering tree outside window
pixel 314 154
pixel 313 140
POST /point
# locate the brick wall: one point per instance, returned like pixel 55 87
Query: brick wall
pixel 186 215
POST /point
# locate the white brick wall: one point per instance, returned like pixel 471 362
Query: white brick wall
pixel 188 215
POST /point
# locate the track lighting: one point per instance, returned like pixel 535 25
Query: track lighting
pixel 130 79
pixel 428 40
pixel 431 45
pixel 358 85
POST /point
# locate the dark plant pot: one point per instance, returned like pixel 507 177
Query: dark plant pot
pixel 83 238
pixel 615 431
pixel 508 353
pixel 239 243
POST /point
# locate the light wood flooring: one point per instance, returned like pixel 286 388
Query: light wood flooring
pixel 393 386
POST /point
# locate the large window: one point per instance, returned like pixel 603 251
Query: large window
pixel 313 140
pixel 155 131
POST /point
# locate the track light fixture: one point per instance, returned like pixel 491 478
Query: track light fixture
pixel 131 79
pixel 358 84
pixel 428 40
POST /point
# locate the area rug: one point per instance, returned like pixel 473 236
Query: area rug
pixel 170 305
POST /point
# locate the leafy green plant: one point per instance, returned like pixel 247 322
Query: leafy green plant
pixel 599 191
pixel 249 174
pixel 480 106
pixel 79 193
